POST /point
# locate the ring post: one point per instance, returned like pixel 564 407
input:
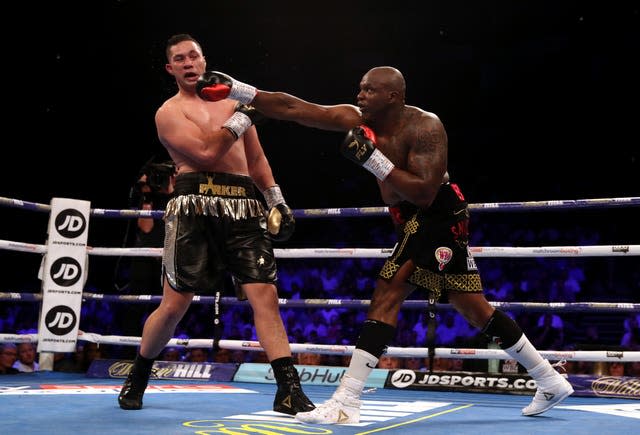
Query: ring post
pixel 63 273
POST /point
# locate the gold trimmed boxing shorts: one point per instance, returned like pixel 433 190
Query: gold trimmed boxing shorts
pixel 215 224
pixel 436 239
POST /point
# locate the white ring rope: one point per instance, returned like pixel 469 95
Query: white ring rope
pixel 329 349
pixel 481 251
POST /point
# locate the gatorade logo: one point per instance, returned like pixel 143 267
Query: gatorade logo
pixel 60 320
pixel 403 378
pixel 65 271
pixel 70 223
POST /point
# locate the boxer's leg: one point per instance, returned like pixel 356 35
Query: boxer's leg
pixel 552 387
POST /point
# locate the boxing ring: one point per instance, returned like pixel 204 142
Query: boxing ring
pixel 393 401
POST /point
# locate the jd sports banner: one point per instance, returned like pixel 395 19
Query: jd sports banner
pixel 63 273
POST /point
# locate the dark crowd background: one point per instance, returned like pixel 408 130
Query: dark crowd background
pixel 539 99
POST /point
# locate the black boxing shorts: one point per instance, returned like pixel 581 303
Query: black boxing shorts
pixel 215 224
pixel 436 239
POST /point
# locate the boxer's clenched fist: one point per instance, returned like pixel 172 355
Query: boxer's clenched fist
pixel 216 86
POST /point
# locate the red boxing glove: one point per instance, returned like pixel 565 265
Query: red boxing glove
pixel 216 86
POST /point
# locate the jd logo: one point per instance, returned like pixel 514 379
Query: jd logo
pixel 403 378
pixel 65 271
pixel 70 223
pixel 60 320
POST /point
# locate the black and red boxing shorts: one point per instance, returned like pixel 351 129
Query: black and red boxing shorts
pixel 436 239
pixel 215 225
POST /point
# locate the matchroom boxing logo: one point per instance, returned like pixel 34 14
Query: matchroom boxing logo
pixel 70 223
pixel 65 271
pixel 60 320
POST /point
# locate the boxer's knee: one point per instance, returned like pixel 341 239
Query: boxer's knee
pixel 375 337
pixel 503 329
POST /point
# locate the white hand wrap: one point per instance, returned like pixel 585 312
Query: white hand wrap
pixel 379 165
pixel 237 124
pixel 242 92
pixel 273 196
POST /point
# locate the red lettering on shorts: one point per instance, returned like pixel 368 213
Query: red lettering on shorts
pixel 456 189
pixel 460 230
pixel 396 215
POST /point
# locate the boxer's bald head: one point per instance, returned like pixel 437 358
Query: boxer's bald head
pixel 388 77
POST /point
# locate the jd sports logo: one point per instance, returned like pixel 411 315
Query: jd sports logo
pixel 70 223
pixel 403 378
pixel 60 320
pixel 65 271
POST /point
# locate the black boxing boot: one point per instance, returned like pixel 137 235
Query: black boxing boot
pixel 136 383
pixel 290 399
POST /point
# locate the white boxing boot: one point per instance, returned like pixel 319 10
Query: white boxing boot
pixel 342 408
pixel 552 389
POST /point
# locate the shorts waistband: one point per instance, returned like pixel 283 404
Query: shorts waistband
pixel 215 184
pixel 448 198
pixel 447 201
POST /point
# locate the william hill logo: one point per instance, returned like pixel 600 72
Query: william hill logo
pixel 192 371
pixel 166 370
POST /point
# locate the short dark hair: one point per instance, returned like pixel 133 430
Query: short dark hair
pixel 176 39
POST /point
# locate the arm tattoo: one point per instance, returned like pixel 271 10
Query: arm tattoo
pixel 429 141
pixel 427 150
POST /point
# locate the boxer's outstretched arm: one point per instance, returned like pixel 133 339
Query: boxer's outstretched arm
pixel 215 86
pixel 279 105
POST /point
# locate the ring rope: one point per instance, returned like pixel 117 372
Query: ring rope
pixel 367 211
pixel 326 349
pixel 477 251
pixel 555 251
pixel 540 307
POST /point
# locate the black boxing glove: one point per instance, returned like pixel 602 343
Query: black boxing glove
pixel 243 117
pixel 216 86
pixel 280 222
pixel 359 146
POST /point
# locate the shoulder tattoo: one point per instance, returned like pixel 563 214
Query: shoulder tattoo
pixel 430 140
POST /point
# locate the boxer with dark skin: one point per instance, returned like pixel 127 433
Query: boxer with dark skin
pixel 216 224
pixel 405 147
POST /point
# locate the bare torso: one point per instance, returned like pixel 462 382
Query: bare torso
pixel 184 123
pixel 411 146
